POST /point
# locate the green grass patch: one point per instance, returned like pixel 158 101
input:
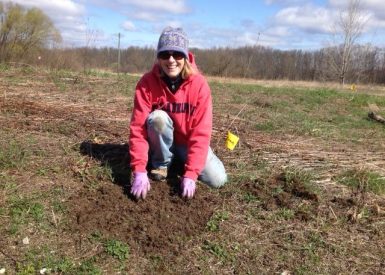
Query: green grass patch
pixel 215 221
pixel 117 249
pixel 216 249
pixel 285 213
pixel 4 67
pixel 42 261
pixel 22 211
pixel 13 154
pixel 249 198
pixel 8 183
pixel 315 112
pixel 362 179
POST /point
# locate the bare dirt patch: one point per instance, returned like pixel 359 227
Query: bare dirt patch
pixel 158 225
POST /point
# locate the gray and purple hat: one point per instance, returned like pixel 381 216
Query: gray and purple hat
pixel 173 39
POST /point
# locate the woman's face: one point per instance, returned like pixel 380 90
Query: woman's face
pixel 171 62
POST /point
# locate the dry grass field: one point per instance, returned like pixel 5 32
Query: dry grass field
pixel 306 193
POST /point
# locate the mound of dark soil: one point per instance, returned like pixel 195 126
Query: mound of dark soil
pixel 160 224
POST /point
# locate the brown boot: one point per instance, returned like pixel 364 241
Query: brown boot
pixel 159 174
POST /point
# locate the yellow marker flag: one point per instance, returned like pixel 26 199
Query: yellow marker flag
pixel 231 140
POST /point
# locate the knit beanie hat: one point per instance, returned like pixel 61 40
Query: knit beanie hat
pixel 173 39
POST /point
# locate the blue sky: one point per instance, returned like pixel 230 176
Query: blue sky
pixel 285 24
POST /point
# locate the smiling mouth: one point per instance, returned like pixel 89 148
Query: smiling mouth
pixel 172 68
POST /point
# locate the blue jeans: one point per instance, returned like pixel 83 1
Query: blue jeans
pixel 160 132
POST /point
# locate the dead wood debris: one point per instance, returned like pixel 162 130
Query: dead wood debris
pixel 376 117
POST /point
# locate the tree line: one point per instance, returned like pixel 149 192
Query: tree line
pixel 29 36
pixel 367 62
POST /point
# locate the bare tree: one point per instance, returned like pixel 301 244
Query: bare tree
pixel 91 35
pixel 348 29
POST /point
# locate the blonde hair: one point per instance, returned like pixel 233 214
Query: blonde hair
pixel 186 72
pixel 188 69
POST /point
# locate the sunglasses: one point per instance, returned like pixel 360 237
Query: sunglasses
pixel 166 55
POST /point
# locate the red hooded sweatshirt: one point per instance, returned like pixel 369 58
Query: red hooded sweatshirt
pixel 190 108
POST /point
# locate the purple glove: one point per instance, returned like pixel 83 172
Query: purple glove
pixel 140 185
pixel 188 188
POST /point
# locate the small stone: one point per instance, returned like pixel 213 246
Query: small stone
pixel 26 240
pixel 43 271
pixel 2 271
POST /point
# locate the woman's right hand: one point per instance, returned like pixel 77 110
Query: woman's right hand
pixel 140 185
pixel 188 188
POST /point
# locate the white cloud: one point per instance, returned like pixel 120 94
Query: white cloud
pixel 375 23
pixel 206 37
pixel 155 7
pixel 308 18
pixel 56 7
pixel 371 12
pixel 171 6
pixel 67 15
pixel 284 2
pixel 71 17
pixel 296 24
pixel 247 38
pixel 144 15
pixel 278 31
pixel 150 10
pixel 374 7
pixel 128 26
